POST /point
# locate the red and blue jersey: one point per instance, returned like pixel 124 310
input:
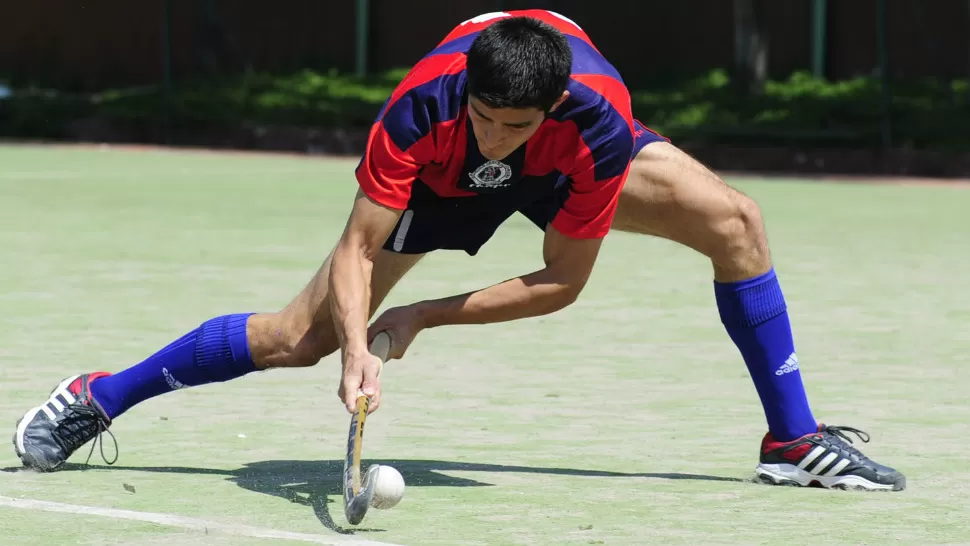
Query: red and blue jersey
pixel 422 135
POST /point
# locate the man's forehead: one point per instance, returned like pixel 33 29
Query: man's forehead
pixel 510 115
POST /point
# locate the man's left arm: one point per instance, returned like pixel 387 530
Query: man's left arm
pixel 568 264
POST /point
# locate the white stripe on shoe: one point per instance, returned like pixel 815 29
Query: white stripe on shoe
pixel 839 466
pixel 64 393
pixel 815 453
pixel 825 462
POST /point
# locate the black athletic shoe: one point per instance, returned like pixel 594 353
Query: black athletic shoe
pixel 827 459
pixel 49 434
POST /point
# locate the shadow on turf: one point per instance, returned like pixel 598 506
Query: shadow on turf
pixel 313 483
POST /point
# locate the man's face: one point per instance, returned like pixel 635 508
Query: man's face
pixel 500 131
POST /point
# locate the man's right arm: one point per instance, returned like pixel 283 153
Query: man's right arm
pixel 386 175
pixel 352 263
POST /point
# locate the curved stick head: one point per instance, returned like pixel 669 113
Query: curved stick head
pixel 355 506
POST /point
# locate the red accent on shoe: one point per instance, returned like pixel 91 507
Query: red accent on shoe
pixel 796 453
pixel 769 443
pixel 75 387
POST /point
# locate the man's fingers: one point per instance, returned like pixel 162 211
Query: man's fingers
pixel 371 385
pixel 348 392
pixel 375 403
pixel 397 350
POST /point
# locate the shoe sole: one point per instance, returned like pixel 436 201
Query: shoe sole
pixel 18 437
pixel 791 475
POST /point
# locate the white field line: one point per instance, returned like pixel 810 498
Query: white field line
pixel 183 522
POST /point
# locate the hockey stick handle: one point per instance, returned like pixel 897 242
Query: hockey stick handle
pixel 381 345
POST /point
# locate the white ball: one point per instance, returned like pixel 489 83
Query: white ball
pixel 388 488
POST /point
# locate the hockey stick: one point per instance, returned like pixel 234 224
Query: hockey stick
pixel 359 492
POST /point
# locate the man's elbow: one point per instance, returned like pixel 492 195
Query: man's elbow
pixel 358 244
pixel 566 294
pixel 353 254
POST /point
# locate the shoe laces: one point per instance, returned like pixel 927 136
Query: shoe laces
pixel 79 423
pixel 844 440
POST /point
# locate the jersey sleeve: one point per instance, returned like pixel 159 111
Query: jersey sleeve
pixel 386 173
pixel 399 145
pixel 602 162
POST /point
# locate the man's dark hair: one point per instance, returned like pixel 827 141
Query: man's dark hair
pixel 519 62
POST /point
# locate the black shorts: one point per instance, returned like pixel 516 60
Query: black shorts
pixel 467 223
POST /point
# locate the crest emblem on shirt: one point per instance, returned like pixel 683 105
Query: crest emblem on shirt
pixel 491 174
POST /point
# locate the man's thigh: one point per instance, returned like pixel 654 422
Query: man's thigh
pixel 308 318
pixel 669 194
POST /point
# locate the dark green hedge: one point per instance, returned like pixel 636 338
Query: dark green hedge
pixel 806 111
pixel 800 111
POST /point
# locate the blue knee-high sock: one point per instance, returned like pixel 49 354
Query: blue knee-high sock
pixel 756 317
pixel 215 351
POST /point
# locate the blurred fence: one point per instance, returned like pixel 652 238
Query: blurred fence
pixel 728 80
pixel 95 44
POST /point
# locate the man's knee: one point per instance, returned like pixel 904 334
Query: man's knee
pixel 740 223
pixel 279 340
pixel 741 246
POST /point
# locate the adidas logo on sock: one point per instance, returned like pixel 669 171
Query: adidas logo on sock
pixel 173 383
pixel 789 366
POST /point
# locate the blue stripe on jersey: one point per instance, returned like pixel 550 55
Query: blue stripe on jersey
pixel 586 60
pixel 380 114
pixel 458 45
pixel 604 130
pixel 411 117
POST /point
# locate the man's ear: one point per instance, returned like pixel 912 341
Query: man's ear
pixel 562 99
